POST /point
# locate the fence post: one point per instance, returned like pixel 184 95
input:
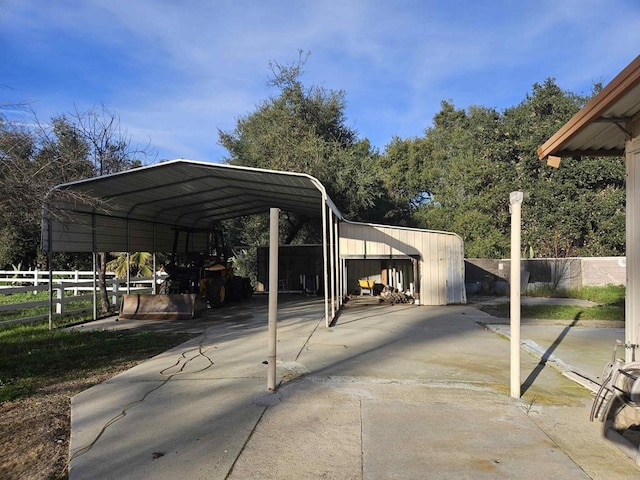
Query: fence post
pixel 60 303
pixel 76 277
pixel 114 288
pixel 35 280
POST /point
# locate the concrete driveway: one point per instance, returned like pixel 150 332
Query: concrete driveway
pixel 406 392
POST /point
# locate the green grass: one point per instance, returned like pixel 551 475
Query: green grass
pixel 559 312
pixel 34 357
pixel 16 298
pixel 606 294
pixel 611 298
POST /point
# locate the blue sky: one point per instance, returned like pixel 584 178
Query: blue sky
pixel 177 71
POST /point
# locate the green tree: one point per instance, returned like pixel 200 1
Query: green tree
pixel 458 176
pixel 577 209
pixel 406 172
pixel 451 179
pixel 304 130
pixel 32 160
pixel 138 264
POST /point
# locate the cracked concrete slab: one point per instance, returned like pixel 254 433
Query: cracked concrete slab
pixel 389 392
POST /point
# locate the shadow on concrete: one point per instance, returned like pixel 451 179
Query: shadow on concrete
pixel 546 355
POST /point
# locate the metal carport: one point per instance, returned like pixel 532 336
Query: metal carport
pixel 140 209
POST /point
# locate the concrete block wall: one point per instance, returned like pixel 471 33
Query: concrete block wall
pixel 489 276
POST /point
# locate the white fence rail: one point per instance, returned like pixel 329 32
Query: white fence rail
pixel 68 287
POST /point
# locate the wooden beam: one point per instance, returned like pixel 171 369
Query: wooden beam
pixel 624 82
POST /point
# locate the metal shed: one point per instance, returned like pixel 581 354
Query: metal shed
pixel 427 262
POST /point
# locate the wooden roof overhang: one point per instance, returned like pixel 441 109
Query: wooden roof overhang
pixel 603 126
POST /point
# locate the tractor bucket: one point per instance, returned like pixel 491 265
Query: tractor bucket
pixel 161 307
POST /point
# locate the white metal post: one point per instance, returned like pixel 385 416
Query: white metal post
pixel 336 238
pixel 332 266
pixel 325 264
pixel 515 199
pixel 273 298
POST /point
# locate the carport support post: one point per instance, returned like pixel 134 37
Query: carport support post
pixel 515 199
pixel 273 298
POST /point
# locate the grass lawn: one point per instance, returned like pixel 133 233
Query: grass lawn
pixel 610 299
pixel 24 297
pixel 559 312
pixel 40 370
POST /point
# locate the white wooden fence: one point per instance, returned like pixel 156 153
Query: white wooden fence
pixel 68 287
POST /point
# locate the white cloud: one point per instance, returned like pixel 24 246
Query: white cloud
pixel 178 71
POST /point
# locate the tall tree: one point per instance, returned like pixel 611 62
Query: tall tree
pixel 577 209
pixel 304 130
pixel 451 178
pixel 406 172
pixel 458 176
pixel 35 159
pixel 31 162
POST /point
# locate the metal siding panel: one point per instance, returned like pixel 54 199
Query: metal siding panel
pixel 113 234
pixel 164 238
pixel 441 242
pixel 398 244
pixel 426 257
pixel 443 251
pixel 373 242
pixel 441 258
pixel 140 237
pixel 72 237
pixel 632 305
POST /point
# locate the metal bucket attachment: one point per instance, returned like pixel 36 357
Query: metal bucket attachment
pixel 175 306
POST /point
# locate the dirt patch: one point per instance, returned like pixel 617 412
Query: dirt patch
pixel 35 431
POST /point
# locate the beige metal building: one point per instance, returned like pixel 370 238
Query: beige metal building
pixel 428 264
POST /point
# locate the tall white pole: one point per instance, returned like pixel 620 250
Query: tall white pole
pixel 332 269
pixel 515 199
pixel 325 264
pixel 273 298
pixel 336 237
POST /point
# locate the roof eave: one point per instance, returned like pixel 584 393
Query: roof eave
pixel 591 112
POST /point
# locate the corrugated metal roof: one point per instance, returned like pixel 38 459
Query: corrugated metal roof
pixel 153 201
pixel 600 128
pixel 140 210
